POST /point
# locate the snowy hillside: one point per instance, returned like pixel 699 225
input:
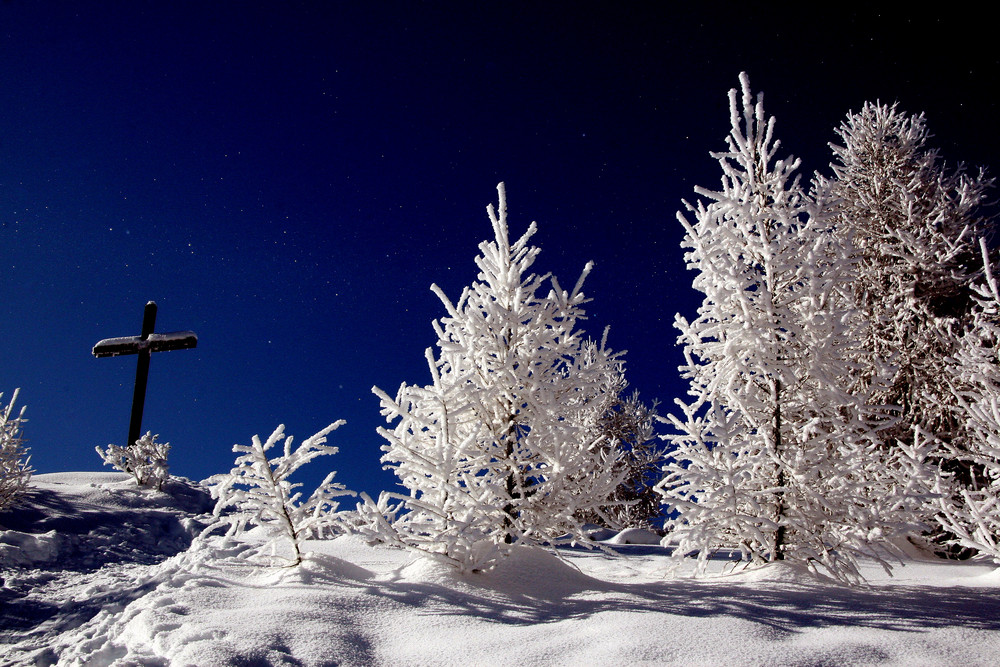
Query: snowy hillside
pixel 96 572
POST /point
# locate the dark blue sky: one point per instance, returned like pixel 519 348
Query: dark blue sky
pixel 288 179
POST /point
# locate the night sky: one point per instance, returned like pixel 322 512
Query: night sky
pixel 288 179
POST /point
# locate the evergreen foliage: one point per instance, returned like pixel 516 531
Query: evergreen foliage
pixel 970 511
pixel 913 226
pixel 629 426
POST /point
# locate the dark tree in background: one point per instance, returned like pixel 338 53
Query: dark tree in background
pixel 629 430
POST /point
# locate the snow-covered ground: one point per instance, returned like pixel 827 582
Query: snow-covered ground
pixel 96 572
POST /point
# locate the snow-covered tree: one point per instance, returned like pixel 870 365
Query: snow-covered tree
pixel 145 460
pixel 775 457
pixel 502 447
pixel 629 426
pixel 15 473
pixel 971 512
pixel 913 225
pixel 260 493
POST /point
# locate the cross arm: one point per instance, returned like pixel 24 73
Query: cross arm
pixel 164 342
pixel 176 340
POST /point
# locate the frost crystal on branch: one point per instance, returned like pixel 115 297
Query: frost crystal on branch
pixel 145 460
pixel 260 493
pixel 501 448
pixel 15 473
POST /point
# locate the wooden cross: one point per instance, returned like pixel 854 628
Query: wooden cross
pixel 143 345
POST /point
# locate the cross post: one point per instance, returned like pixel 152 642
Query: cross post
pixel 143 345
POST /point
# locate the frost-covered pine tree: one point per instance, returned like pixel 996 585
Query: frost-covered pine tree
pixel 913 225
pixel 259 491
pixel 774 456
pixel 15 473
pixel 145 460
pixel 501 448
pixel 971 512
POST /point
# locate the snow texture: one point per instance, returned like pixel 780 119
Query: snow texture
pixel 156 342
pixel 129 588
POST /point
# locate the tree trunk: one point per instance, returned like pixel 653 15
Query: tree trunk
pixel 779 509
pixel 510 484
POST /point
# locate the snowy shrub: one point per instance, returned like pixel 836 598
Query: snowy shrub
pixel 260 493
pixel 774 456
pixel 145 460
pixel 502 447
pixel 970 510
pixel 15 473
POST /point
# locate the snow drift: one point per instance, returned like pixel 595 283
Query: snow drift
pixel 106 574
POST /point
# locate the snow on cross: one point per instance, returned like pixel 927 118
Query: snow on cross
pixel 144 345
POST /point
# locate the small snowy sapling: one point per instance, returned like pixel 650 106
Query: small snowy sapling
pixel 14 469
pixel 145 460
pixel 260 492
